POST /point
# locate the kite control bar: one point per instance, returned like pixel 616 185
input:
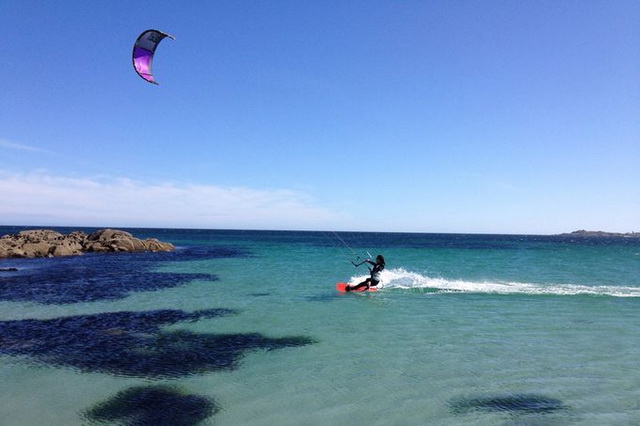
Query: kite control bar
pixel 358 264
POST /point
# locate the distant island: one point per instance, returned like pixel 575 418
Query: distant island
pixel 583 233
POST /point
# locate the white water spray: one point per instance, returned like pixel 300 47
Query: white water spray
pixel 403 279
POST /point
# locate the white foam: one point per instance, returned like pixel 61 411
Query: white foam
pixel 403 279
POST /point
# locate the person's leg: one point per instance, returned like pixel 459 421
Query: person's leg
pixel 364 283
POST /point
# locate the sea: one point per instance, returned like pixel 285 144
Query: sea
pixel 240 327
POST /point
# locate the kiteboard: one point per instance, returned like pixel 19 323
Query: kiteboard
pixel 341 287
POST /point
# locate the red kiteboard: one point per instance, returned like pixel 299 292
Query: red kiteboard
pixel 341 287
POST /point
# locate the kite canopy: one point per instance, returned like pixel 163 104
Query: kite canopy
pixel 143 51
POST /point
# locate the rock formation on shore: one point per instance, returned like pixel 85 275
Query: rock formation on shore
pixel 49 243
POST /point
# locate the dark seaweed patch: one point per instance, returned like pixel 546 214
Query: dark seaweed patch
pixel 326 297
pixel 95 277
pixel 513 404
pixel 131 343
pixel 153 406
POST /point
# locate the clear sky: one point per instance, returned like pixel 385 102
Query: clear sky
pixel 475 116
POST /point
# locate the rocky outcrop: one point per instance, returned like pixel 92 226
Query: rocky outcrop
pixel 583 233
pixel 49 243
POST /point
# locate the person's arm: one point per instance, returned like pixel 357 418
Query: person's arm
pixel 370 268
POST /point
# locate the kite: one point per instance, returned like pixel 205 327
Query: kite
pixel 143 51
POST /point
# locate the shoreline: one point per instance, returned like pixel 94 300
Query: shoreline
pixel 160 230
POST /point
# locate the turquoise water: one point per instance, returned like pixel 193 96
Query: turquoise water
pixel 245 327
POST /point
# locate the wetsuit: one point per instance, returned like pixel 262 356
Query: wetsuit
pixel 372 281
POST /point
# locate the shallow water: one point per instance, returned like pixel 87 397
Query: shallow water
pixel 241 327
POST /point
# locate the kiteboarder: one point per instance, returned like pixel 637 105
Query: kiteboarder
pixel 374 279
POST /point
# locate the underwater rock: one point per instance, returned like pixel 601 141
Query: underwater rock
pixel 513 404
pixel 132 343
pixel 153 405
pixel 49 243
pixel 94 277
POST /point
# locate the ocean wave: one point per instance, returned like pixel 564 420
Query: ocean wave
pixel 403 279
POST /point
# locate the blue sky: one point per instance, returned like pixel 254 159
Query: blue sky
pixel 422 116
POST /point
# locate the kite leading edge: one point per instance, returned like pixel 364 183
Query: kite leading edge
pixel 143 51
